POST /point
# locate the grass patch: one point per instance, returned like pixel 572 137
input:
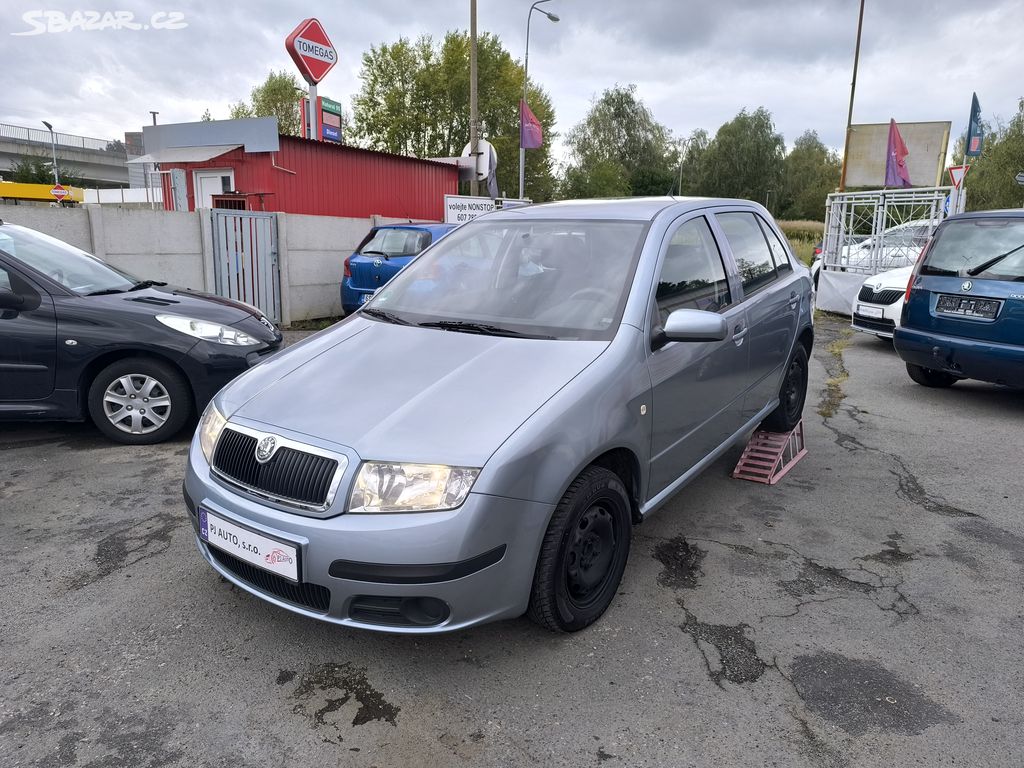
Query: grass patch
pixel 803 236
pixel 313 325
pixel 833 394
pixel 803 250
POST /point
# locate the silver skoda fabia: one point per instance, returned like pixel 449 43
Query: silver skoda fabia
pixel 479 439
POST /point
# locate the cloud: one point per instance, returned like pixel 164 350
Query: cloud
pixel 695 64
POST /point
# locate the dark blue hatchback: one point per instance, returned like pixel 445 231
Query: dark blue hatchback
pixel 963 317
pixel 384 252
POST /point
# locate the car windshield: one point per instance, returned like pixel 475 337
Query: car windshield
pixel 982 247
pixel 519 277
pixel 71 267
pixel 396 242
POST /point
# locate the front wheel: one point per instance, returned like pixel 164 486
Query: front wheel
pixel 927 377
pixel 583 554
pixel 139 401
pixel 792 395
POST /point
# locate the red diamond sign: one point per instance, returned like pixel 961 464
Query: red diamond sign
pixel 60 192
pixel 311 50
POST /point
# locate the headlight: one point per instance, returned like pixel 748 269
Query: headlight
pixel 210 427
pixel 207 331
pixel 383 487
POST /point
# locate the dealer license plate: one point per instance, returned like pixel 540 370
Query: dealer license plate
pixel 264 552
pixel 865 311
pixel 968 306
pixel 365 298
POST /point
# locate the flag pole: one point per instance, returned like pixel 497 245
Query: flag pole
pixel 853 89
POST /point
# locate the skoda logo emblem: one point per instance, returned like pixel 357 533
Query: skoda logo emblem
pixel 265 449
pixel 966 285
pixel 377 262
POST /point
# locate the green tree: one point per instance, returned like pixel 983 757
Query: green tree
pixel 810 173
pixel 619 149
pixel 278 96
pixel 990 182
pixel 744 159
pixel 414 100
pixel 38 169
pixel 206 116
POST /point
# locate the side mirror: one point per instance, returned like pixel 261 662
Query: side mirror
pixel 10 300
pixel 695 325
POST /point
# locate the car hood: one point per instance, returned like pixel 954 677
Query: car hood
pixel 894 278
pixel 179 301
pixel 400 393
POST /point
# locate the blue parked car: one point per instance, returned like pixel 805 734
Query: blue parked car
pixel 963 317
pixel 384 252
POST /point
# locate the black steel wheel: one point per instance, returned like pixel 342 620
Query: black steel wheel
pixel 583 554
pixel 792 394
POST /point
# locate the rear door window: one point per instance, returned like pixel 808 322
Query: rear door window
pixel 985 247
pixel 780 256
pixel 750 249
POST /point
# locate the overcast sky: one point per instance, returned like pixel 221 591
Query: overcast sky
pixel 695 64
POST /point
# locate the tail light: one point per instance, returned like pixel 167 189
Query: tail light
pixel 817 251
pixel 348 267
pixel 916 270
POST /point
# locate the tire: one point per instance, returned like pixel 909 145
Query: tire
pixel 132 384
pixel 792 394
pixel 592 524
pixel 927 377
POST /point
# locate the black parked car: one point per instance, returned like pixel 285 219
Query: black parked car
pixel 79 338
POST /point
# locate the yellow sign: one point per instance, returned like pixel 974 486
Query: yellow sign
pixel 13 190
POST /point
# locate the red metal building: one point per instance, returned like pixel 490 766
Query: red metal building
pixel 317 178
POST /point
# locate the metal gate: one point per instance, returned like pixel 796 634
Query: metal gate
pixel 871 232
pixel 245 259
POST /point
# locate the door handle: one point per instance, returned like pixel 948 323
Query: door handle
pixel 739 334
pixel 793 300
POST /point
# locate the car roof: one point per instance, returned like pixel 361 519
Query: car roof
pixel 1016 213
pixel 629 208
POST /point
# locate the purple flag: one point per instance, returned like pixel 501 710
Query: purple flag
pixel 896 172
pixel 531 135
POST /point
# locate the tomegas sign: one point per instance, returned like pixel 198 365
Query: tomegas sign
pixel 59 192
pixel 311 50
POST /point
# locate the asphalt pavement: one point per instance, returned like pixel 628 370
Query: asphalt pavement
pixel 866 611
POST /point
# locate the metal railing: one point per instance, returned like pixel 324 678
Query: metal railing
pixel 40 136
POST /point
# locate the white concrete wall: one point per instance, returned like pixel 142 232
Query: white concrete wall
pixel 158 245
pixel 312 252
pixel 68 224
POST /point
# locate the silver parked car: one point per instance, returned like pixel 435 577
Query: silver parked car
pixel 479 439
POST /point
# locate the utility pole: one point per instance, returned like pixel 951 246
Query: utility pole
pixel 474 138
pixel 853 88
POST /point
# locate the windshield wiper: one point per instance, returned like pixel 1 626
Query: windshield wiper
pixel 993 261
pixel 388 317
pixel 106 291
pixel 374 253
pixel 145 284
pixel 483 329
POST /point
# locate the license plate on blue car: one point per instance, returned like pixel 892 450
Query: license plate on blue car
pixel 968 306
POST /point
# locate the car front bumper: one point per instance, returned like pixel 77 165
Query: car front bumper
pixel 478 560
pixel 966 358
pixel 883 326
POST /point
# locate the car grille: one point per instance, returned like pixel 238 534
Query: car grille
pixel 290 475
pixel 870 324
pixel 889 296
pixel 312 596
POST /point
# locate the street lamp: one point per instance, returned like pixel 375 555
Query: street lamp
pixel 53 146
pixel 526 79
